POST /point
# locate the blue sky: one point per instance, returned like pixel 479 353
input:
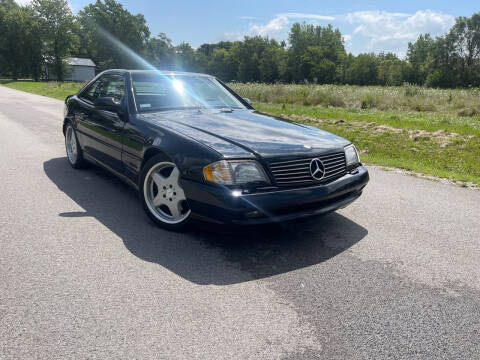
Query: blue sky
pixel 366 25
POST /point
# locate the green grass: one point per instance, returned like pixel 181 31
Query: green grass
pixel 57 90
pixel 398 119
pixel 454 157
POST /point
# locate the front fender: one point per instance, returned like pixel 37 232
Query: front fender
pixel 143 140
pixel 67 114
pixel 189 155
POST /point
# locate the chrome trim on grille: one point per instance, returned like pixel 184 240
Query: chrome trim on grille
pixel 295 172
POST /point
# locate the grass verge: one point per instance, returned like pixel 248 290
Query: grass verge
pixel 57 90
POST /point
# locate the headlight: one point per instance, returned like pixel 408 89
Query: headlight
pixel 234 172
pixel 351 155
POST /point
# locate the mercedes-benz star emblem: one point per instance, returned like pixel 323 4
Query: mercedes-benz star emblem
pixel 317 169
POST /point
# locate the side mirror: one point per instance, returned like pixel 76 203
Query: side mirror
pixel 248 101
pixel 107 103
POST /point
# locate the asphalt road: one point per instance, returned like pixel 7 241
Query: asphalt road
pixel 85 274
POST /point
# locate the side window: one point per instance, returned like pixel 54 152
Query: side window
pixel 107 86
pixel 112 86
pixel 91 92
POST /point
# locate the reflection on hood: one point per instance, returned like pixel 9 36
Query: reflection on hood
pixel 240 132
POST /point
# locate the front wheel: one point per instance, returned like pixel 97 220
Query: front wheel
pixel 162 195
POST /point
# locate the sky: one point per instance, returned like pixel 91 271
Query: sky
pixel 367 26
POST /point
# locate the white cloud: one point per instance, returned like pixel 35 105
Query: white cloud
pixel 347 39
pixel 270 28
pixel 230 36
pixel 386 31
pixel 307 16
pixel 363 31
pixel 280 22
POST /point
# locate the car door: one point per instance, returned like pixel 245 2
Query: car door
pixel 83 109
pixel 101 128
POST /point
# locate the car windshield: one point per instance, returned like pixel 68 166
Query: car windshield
pixel 164 92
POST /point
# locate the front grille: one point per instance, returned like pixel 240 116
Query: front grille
pixel 297 172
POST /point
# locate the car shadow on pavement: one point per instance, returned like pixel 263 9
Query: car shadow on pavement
pixel 205 254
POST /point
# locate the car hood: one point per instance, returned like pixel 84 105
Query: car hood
pixel 244 132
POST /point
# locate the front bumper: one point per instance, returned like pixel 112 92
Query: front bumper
pixel 217 204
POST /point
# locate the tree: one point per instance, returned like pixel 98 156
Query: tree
pixel 56 24
pixel 20 44
pixel 363 70
pixel 315 53
pixel 417 55
pixel 316 66
pixel 222 65
pixel 392 71
pixel 466 37
pixel 112 36
pixel 248 54
pixel 443 63
pixel 11 54
pixel 187 59
pixel 273 63
pixel 161 52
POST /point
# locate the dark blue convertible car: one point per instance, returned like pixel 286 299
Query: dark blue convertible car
pixel 195 149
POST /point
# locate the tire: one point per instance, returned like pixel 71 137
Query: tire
pixel 161 194
pixel 73 149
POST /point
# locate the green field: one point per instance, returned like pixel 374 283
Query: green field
pixel 461 102
pixel 430 131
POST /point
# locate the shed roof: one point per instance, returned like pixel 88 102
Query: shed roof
pixel 79 61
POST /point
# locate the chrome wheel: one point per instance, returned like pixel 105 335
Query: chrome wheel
pixel 163 195
pixel 71 145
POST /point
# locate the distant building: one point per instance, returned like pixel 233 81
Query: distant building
pixel 82 69
pixel 79 69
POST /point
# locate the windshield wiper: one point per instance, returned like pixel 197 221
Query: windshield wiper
pixel 226 109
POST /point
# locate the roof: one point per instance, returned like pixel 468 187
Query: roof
pixel 79 62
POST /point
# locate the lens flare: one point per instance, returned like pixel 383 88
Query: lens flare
pixel 178 85
pixel 142 63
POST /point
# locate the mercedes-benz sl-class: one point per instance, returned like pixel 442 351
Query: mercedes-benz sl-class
pixel 193 148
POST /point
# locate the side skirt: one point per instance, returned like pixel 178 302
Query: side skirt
pixel 93 160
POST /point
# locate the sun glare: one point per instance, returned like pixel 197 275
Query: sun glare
pixel 178 85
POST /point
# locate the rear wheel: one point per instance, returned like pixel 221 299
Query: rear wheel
pixel 162 195
pixel 74 152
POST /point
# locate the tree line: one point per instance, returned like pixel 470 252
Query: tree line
pixel 46 31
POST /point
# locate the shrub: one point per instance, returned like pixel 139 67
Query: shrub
pixel 410 90
pixel 369 101
pixel 469 112
pixel 422 106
